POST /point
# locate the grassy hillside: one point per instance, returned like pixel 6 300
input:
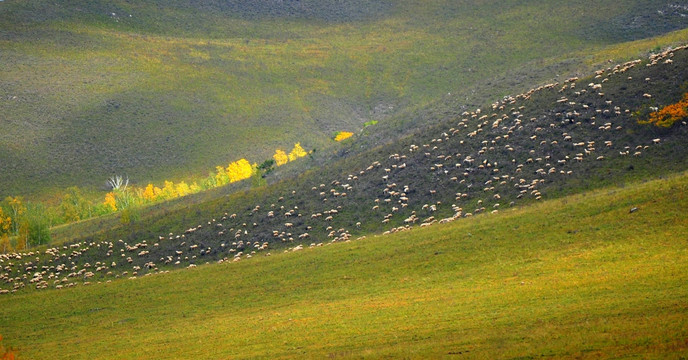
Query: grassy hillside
pixel 514 275
pixel 579 277
pixel 85 84
pixel 428 182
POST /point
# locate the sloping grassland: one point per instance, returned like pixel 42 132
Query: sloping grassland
pixel 85 84
pixel 578 277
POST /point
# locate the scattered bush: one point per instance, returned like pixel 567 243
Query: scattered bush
pixel 342 135
pixel 280 157
pixel 670 114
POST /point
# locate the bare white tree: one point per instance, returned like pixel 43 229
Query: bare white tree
pixel 117 182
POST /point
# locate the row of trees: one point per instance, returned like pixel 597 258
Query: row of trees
pixel 120 199
pixel 132 197
pixel 26 224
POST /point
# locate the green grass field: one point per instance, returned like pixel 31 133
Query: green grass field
pixel 88 91
pixel 85 84
pixel 577 277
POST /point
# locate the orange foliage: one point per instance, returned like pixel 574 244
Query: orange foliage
pixel 6 354
pixel 670 114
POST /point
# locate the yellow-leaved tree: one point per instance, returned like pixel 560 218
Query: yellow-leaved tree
pixel 239 170
pixel 182 189
pixel 297 152
pixel 168 191
pixel 158 192
pixel 110 202
pixel 221 177
pixel 17 208
pixel 5 224
pixel 149 192
pixel 195 188
pixel 74 206
pixel 280 157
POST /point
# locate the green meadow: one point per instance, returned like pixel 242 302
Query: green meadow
pixel 586 258
pixel 577 277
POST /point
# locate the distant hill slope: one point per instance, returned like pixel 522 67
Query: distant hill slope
pixel 85 84
pixel 556 139
pixel 579 277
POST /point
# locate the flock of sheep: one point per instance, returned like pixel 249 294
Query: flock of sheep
pixel 483 161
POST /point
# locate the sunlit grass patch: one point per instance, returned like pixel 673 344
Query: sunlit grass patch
pixel 601 283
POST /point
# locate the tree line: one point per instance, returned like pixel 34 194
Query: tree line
pixel 25 224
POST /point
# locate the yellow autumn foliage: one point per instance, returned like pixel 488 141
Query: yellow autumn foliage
pixel 235 171
pixel 168 191
pixel 149 192
pixel 110 201
pixel 221 177
pixel 297 152
pixel 5 222
pixel 239 170
pixel 194 188
pixel 343 135
pixel 280 157
pixel 182 189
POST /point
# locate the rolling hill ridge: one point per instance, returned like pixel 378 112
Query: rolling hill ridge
pixel 548 224
pixel 577 277
pixel 85 83
pixel 555 139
